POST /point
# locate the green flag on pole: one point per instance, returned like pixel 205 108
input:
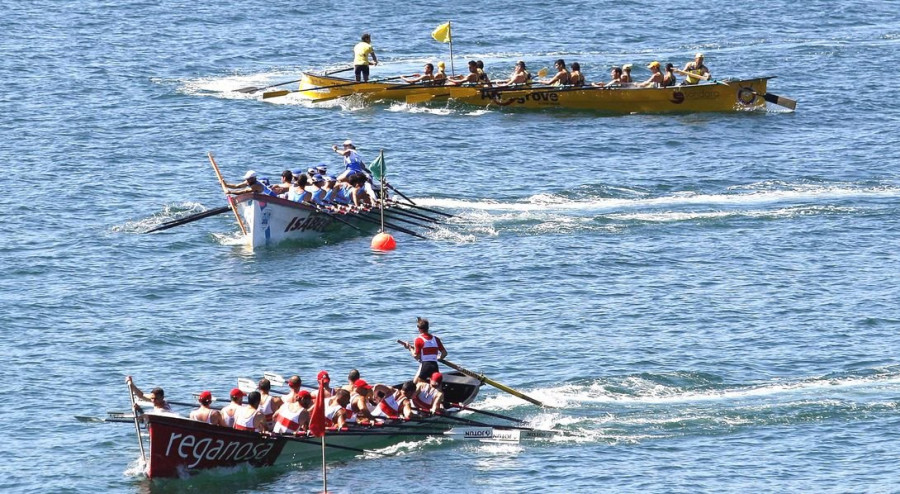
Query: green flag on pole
pixel 377 167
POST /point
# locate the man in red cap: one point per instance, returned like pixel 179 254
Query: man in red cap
pixel 429 397
pixel 427 349
pixel 359 403
pixel 205 413
pixel 237 401
pixel 293 416
pixel 326 379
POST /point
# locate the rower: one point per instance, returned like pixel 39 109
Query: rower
pixel 294 383
pixel 293 416
pixel 427 349
pixel 298 191
pixel 325 379
pixel 361 53
pixel 695 68
pixel 156 396
pixel 470 78
pixel 616 75
pixel 317 193
pixel 519 75
pixel 282 189
pixel 576 78
pixel 204 413
pixel 268 403
pixel 360 408
pixel 336 411
pixel 362 193
pixel 237 401
pixel 352 377
pixel 625 80
pixel 669 78
pixel 250 184
pixel 393 403
pixel 428 396
pixel 440 77
pixel 656 77
pixel 428 76
pixel 249 418
pixel 482 75
pixel 562 77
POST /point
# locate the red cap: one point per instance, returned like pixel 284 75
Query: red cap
pixel 437 377
pixel 236 392
pixel 323 374
pixel 205 397
pixel 361 383
pixel 303 394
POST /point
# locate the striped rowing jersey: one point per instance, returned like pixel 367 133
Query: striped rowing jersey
pixel 428 348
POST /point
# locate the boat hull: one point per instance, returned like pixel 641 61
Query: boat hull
pixel 720 96
pixel 272 220
pixel 181 446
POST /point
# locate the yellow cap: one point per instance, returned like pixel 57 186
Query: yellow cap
pixel 653 64
pixel 627 66
pixel 441 65
pixel 698 55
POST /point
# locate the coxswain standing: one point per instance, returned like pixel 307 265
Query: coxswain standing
pixel 361 53
pixel 157 396
pixel 353 162
pixel 293 416
pixel 428 396
pixel 268 403
pixel 427 349
pixel 237 401
pixel 205 413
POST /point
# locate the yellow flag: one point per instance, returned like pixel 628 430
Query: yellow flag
pixel 442 33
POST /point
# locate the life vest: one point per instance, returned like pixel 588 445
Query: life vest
pixel 430 349
pixel 287 420
pixel 694 70
pixel 245 423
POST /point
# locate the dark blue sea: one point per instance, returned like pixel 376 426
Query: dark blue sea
pixel 709 301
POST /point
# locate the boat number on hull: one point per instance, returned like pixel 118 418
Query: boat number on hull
pixel 538 96
pixel 314 222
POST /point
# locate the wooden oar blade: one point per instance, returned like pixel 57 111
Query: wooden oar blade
pixel 780 101
pixel 275 94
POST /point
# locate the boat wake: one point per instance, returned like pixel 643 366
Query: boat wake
pixel 613 209
pixel 641 407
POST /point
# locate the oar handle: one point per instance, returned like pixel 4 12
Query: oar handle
pixel 705 77
pixel 137 426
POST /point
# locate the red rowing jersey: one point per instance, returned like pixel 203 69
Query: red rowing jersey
pixel 428 347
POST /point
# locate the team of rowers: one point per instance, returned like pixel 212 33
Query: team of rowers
pixel 694 72
pixel 354 186
pixel 356 402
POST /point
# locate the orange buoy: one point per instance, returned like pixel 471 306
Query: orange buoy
pixel 384 241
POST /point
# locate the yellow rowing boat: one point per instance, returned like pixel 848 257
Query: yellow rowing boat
pixel 718 96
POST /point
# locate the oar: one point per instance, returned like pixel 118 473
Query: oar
pixel 422 98
pixel 412 214
pixel 275 94
pixel 401 193
pixel 188 219
pixel 483 424
pixel 390 225
pixel 484 379
pixel 779 100
pixel 490 414
pixel 215 166
pixel 424 208
pixel 705 77
pixel 253 89
pixel 137 426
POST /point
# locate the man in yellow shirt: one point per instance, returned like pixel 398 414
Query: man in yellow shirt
pixel 361 53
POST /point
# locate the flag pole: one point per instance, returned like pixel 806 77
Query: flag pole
pixel 324 471
pixel 450 35
pixel 381 203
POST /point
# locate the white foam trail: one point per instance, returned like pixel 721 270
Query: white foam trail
pixel 545 202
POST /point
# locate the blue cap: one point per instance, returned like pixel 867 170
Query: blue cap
pixel 297 171
pixel 322 168
pixel 318 178
pixel 311 171
pixel 332 178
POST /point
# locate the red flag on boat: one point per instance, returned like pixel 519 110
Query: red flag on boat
pixel 317 420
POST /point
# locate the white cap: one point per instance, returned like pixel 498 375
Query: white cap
pixel 250 173
pixel 348 142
